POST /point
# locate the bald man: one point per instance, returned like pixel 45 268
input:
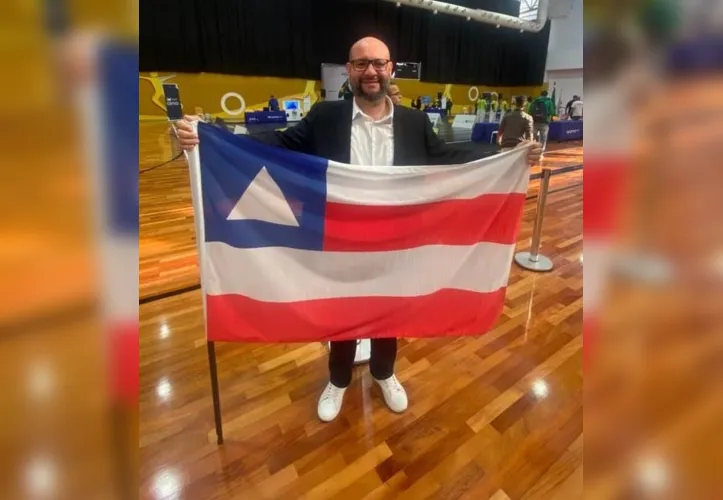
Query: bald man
pixel 366 130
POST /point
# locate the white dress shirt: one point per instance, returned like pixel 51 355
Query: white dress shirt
pixel 372 141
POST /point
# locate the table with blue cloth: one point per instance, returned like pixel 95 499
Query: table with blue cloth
pixel 441 111
pixel 253 117
pixel 482 131
pixel 565 130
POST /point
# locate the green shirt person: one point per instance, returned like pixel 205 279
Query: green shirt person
pixel 542 111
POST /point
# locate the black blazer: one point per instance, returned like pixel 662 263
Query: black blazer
pixel 326 132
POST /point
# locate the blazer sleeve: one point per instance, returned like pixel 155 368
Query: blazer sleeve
pixel 439 153
pixel 297 138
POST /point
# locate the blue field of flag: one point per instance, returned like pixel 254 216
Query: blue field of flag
pixel 256 195
pixel 119 100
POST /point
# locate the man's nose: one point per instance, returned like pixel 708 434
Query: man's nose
pixel 370 71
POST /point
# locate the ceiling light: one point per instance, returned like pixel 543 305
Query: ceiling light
pixel 540 389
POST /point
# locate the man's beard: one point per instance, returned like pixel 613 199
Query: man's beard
pixel 371 96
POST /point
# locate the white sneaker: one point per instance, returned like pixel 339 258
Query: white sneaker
pixel 330 402
pixel 394 394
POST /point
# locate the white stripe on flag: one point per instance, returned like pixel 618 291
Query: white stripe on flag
pixel 277 274
pixel 392 185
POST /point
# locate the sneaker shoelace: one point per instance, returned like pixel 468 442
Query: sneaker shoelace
pixel 331 392
pixel 393 384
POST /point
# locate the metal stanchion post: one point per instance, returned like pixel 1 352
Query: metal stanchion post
pixel 532 260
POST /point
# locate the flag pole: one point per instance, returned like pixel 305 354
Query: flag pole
pixel 194 171
pixel 214 391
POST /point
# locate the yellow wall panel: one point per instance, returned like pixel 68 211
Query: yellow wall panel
pixel 207 89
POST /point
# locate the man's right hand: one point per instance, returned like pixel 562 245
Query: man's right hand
pixel 187 136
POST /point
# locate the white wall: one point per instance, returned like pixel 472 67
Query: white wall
pixel 567 83
pixel 564 53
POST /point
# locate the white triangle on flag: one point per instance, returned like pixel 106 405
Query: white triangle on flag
pixel 264 201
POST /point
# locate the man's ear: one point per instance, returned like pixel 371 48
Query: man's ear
pixel 348 68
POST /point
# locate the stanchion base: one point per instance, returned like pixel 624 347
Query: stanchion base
pixel 363 351
pixel 542 265
pixel 645 268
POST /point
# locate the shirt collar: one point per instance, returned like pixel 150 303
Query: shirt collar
pixel 356 112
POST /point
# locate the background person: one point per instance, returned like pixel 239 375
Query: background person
pixel 273 103
pixel 542 111
pixel 574 108
pixel 515 127
pixel 395 95
pixel 504 105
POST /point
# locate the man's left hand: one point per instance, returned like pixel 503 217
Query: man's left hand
pixel 534 153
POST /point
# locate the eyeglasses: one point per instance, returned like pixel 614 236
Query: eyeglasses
pixel 363 64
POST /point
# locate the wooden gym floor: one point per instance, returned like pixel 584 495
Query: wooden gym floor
pixel 492 417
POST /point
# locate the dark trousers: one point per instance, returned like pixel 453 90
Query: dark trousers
pixel 341 360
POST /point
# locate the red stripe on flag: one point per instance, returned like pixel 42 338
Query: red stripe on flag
pixel 237 318
pixel 493 218
pixel 124 362
pixel 606 183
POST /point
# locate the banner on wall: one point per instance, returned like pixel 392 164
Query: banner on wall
pixel 174 109
pixel 333 81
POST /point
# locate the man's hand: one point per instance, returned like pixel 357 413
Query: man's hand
pixel 534 154
pixel 187 136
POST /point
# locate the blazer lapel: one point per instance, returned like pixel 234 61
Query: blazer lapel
pixel 397 130
pixel 344 132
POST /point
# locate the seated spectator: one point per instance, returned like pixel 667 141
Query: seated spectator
pixel 516 126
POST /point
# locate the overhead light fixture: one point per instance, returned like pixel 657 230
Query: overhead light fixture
pixel 399 4
pixel 469 18
pixel 497 26
pixel 435 11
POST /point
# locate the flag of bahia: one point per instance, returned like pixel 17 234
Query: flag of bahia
pixel 295 248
